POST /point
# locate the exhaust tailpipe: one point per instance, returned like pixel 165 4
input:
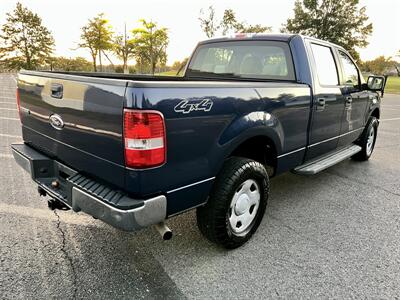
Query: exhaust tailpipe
pixel 164 231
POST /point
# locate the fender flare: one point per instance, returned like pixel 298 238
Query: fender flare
pixel 373 105
pixel 253 124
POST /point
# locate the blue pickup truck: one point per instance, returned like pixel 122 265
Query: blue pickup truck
pixel 135 150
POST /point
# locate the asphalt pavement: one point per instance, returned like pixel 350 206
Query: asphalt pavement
pixel 332 235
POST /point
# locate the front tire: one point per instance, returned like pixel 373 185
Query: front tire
pixel 367 140
pixel 236 204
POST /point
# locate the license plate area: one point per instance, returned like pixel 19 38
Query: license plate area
pixel 52 177
pixel 47 173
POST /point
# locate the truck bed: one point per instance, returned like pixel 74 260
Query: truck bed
pixel 91 141
pixel 140 77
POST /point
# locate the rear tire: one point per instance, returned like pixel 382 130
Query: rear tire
pixel 236 204
pixel 367 140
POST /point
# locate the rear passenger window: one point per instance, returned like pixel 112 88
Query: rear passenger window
pixel 351 77
pixel 325 65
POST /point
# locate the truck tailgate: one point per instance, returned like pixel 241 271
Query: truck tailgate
pixel 76 120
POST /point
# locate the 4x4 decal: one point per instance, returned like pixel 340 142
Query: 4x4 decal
pixel 186 107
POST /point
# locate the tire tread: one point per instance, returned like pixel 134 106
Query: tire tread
pixel 211 218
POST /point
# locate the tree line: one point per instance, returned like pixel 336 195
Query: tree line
pixel 229 23
pixel 26 43
pixel 146 44
pixel 341 22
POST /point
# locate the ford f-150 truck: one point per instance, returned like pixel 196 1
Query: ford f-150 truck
pixel 135 150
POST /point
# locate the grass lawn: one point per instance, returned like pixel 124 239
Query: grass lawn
pixel 393 85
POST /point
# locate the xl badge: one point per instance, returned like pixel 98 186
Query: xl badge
pixel 56 122
pixel 186 107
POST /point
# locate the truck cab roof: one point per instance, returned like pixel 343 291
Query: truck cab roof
pixel 280 37
pixel 283 37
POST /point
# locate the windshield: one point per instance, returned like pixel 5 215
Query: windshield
pixel 243 59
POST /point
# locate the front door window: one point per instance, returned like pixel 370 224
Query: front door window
pixel 351 76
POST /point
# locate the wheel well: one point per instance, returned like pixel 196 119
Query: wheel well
pixel 375 113
pixel 261 149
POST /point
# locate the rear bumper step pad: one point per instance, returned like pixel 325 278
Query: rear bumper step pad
pixel 87 195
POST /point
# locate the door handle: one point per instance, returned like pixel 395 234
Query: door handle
pixel 56 90
pixel 320 104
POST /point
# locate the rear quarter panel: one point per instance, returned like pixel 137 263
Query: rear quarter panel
pixel 199 141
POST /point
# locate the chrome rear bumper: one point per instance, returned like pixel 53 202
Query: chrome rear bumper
pixel 84 194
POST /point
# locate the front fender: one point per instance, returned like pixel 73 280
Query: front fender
pixel 374 102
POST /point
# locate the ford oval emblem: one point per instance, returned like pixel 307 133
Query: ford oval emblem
pixel 56 122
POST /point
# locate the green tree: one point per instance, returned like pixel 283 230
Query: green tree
pixel 256 28
pixel 124 49
pixel 341 22
pixel 88 40
pixel 70 64
pixel 208 22
pixel 97 37
pixel 151 45
pixel 25 42
pixel 228 24
pixel 178 66
pixel 379 65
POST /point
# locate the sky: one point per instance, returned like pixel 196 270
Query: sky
pixel 65 19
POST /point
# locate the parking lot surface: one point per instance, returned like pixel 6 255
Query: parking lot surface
pixel 332 235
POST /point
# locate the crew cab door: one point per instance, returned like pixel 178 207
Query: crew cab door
pixel 327 110
pixel 355 100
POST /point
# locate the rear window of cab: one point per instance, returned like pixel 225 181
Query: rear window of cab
pixel 270 60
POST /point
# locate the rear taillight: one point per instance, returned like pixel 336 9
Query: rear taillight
pixel 144 136
pixel 18 104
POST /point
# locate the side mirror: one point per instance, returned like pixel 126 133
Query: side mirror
pixel 376 83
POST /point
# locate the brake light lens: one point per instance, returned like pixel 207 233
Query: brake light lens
pixel 144 137
pixel 243 35
pixel 18 104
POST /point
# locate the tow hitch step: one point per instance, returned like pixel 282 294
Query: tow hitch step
pixel 56 204
pixel 332 158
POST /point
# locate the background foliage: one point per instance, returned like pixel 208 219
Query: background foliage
pixel 26 43
pixel 341 22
